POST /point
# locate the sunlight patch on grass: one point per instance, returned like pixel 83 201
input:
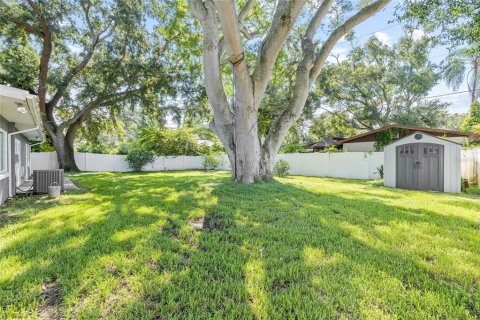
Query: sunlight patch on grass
pixel 130 246
pixel 361 234
pixel 318 258
pixel 126 235
pixel 254 279
pixel 11 268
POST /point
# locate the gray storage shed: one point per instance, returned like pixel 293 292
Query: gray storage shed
pixel 423 162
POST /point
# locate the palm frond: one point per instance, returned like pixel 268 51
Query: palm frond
pixel 454 73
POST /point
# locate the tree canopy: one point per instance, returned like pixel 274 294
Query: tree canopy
pixel 457 20
pixel 174 142
pixel 377 85
pixel 83 56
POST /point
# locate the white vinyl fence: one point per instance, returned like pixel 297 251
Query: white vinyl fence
pixel 471 165
pixel 354 165
pixel 95 162
pixel 350 165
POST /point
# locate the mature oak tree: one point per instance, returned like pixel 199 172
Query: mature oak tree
pixel 236 125
pixel 91 55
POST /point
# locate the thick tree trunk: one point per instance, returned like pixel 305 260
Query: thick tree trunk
pixel 267 160
pixel 236 125
pixel 253 164
pixel 65 152
pixel 247 144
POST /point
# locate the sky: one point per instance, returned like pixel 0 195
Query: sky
pixel 383 26
pixel 388 31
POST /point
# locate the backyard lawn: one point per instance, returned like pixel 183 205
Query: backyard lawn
pixel 132 246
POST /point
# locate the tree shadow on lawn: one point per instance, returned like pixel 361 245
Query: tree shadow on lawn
pixel 93 247
pixel 317 256
pixel 266 251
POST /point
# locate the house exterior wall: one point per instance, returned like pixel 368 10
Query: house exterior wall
pixel 368 146
pixel 19 170
pixel 460 140
pixel 19 164
pixel 5 177
pixel 451 164
pixel 365 146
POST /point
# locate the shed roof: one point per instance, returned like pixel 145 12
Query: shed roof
pixel 443 141
pixel 436 131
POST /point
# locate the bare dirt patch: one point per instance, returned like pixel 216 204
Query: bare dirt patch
pixel 50 308
pixel 198 223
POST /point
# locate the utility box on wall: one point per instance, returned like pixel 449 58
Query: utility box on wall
pixel 423 162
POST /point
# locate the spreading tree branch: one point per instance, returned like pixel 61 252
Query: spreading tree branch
pixel 308 71
pixel 24 25
pixel 241 17
pixel 95 40
pixel 283 20
pixel 342 30
pixel 204 12
pixel 99 101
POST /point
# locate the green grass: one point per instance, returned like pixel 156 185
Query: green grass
pixel 125 247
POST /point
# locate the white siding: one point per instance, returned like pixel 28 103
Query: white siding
pixel 451 163
pixel 460 140
pixel 359 146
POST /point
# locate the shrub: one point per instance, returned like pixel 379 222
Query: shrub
pixel 380 171
pixel 281 168
pixel 464 185
pixel 211 162
pixel 137 159
pixel 333 149
pixel 176 142
pixel 384 138
pixel 292 148
pixel 168 142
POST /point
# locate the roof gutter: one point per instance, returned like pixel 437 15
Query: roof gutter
pixel 35 116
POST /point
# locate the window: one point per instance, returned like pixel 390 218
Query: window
pixel 406 150
pixel 3 150
pixel 430 150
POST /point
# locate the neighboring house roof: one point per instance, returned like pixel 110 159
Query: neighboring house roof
pixel 370 136
pixel 21 107
pixel 325 143
pixel 205 142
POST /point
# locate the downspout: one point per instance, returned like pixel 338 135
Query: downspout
pixel 9 155
pixel 30 171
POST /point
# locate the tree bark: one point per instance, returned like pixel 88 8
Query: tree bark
pixel 237 125
pixel 65 151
